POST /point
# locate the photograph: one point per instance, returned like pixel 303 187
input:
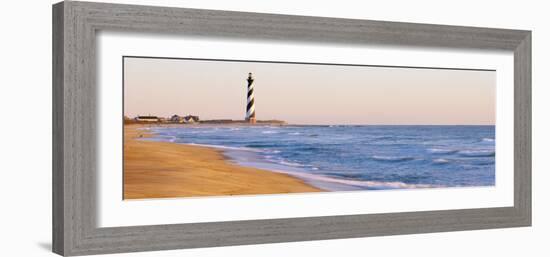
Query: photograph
pixel 212 127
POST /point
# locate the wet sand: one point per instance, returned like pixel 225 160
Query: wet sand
pixel 167 170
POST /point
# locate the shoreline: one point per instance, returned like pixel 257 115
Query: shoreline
pixel 260 152
pixel 168 170
pixel 250 159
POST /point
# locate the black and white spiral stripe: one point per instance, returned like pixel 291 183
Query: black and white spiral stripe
pixel 250 111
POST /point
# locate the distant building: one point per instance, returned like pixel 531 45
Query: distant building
pixel 176 119
pixel 250 109
pixel 147 118
pixel 191 119
pixel 184 119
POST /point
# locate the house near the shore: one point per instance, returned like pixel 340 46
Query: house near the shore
pixel 191 119
pixel 176 119
pixel 184 119
pixel 147 118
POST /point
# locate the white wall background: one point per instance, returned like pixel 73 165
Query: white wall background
pixel 25 129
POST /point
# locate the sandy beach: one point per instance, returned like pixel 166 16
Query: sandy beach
pixel 167 170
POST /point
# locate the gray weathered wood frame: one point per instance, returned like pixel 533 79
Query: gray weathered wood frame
pixel 74 130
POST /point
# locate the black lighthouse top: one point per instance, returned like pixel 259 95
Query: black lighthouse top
pixel 250 79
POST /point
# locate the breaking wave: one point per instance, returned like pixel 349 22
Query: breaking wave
pixel 392 158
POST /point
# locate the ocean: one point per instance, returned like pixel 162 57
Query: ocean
pixel 342 158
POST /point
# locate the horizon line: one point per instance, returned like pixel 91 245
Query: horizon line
pixel 311 124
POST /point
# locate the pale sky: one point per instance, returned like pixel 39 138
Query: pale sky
pixel 309 94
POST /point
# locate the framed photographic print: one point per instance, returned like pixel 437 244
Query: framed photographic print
pixel 182 128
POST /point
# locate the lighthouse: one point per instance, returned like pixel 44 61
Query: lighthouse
pixel 250 110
